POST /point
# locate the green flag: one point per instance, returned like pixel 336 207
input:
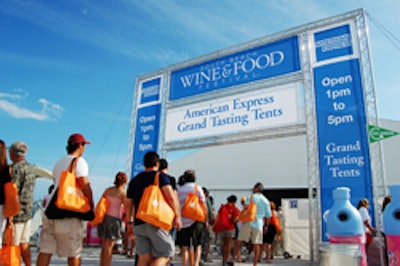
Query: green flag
pixel 379 133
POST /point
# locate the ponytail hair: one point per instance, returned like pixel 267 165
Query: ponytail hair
pixel 120 179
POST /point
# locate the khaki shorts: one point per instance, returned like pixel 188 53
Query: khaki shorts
pixel 248 233
pixel 227 233
pixel 21 232
pixel 64 236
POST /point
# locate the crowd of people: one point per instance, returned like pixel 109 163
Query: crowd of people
pixel 19 172
pixel 152 245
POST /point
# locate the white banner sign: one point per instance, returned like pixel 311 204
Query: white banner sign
pixel 265 108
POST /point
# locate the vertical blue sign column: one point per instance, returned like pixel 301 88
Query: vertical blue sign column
pixel 147 123
pixel 341 122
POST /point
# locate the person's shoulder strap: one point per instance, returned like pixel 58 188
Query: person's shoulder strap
pixel 72 164
pixel 156 179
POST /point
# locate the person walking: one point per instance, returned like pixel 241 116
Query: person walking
pixel 65 236
pixel 24 179
pixel 362 207
pixel 245 248
pixel 210 235
pixel 253 231
pixel 5 177
pixel 163 167
pixel 270 231
pixel 192 235
pixel 154 245
pixel 228 233
pixel 111 228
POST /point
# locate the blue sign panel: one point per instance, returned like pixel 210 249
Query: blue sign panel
pixel 293 204
pixel 333 43
pixel 150 91
pixel 342 135
pixel 146 135
pixel 269 60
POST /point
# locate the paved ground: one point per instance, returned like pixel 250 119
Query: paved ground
pixel 91 256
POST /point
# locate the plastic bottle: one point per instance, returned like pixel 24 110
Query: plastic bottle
pixel 344 223
pixel 391 226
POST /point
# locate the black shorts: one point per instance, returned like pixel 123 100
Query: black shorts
pixel 269 236
pixel 193 235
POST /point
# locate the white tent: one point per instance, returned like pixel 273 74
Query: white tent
pixel 42 172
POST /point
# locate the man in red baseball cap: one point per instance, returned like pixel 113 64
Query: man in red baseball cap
pixel 64 236
pixel 77 139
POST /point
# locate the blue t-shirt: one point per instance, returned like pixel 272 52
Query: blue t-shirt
pixel 263 210
pixel 139 183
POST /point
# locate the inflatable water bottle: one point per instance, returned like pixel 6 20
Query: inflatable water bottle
pixel 391 226
pixel 344 224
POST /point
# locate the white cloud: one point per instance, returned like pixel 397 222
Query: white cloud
pixel 12 104
pixel 20 112
pixel 15 96
pixel 49 108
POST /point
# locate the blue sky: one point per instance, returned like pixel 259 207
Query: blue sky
pixel 70 66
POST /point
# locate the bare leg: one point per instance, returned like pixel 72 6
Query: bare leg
pixel 208 249
pixel 185 256
pixel 268 251
pixel 106 252
pixel 131 245
pixel 73 261
pixel 26 253
pixel 264 248
pixel 145 259
pixel 226 248
pixel 197 255
pixel 43 259
pixel 236 250
pixel 160 261
pixel 272 252
pixel 257 251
